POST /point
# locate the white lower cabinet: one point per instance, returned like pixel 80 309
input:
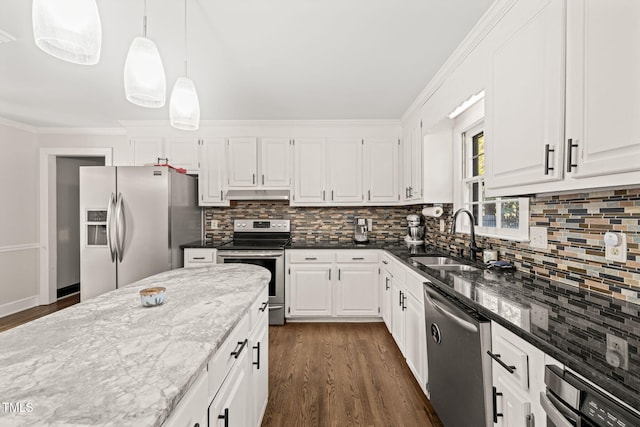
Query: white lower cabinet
pixel 192 408
pixel 327 283
pixel 386 293
pixel 259 341
pixel 407 319
pixel 199 257
pixel 518 380
pixel 231 405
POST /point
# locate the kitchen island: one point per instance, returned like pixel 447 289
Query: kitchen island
pixel 111 362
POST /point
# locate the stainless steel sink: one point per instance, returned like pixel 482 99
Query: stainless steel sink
pixel 443 263
pixel 435 260
pixel 455 267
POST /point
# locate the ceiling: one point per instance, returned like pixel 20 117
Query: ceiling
pixel 249 59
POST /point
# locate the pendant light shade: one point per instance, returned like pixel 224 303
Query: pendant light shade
pixel 184 108
pixel 144 79
pixel 68 29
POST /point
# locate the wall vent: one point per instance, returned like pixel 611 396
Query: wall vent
pixel 6 37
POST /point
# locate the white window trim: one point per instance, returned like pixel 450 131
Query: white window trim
pixel 470 119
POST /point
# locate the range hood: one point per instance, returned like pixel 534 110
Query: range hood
pixel 252 194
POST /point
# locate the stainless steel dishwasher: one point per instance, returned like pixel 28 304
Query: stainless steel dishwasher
pixel 459 373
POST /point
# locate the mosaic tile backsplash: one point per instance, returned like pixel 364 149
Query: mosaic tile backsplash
pixel 576 225
pixel 331 224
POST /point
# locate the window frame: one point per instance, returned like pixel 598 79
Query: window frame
pixel 467 125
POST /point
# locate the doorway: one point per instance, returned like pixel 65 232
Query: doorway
pixel 58 252
pixel 68 222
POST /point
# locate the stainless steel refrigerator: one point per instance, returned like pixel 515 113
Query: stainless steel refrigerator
pixel 133 220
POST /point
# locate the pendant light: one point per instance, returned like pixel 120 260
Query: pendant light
pixel 184 107
pixel 68 29
pixel 145 83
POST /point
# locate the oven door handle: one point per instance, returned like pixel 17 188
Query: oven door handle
pixel 555 413
pixel 248 255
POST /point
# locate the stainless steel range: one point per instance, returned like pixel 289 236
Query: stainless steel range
pixel 261 242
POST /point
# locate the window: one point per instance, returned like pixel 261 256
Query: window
pixel 506 218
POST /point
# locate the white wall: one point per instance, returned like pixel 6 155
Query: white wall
pixel 18 217
pixel 68 217
pixel 118 142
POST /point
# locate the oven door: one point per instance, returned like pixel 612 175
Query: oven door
pixel 272 261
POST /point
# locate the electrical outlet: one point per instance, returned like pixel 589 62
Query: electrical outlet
pixel 617 354
pixel 538 237
pixel 442 225
pixel 213 224
pixel 617 253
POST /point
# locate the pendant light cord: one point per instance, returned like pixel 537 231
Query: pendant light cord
pixel 144 21
pixel 185 38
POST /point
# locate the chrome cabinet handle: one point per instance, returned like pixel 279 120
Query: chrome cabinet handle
pixel 323 194
pixel 262 179
pixel 331 194
pixel 263 307
pixel 547 150
pixel 496 357
pixel 356 258
pixel 253 178
pixel 311 258
pixel 385 262
pixel 257 363
pixel 570 147
pixel 386 283
pixel 198 257
pixel 369 195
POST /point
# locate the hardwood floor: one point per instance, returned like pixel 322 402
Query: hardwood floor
pixel 341 374
pixel 25 316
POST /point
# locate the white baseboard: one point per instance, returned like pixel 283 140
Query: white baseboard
pixel 19 305
pixel 334 319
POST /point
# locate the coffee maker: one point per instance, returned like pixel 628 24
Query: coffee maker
pixel 361 230
pixel 415 232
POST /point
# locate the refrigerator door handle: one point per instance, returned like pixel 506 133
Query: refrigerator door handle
pixel 121 228
pixel 110 220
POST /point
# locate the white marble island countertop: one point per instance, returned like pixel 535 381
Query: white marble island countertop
pixel 111 362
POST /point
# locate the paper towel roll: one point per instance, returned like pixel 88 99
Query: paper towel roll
pixel 435 211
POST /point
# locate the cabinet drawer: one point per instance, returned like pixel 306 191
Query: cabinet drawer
pixel 223 360
pixel 192 408
pixel 414 284
pixel 299 256
pixel 199 256
pixel 357 256
pixel 259 309
pixel 513 357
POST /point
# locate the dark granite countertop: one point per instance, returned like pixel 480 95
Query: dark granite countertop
pixel 568 323
pixel 206 244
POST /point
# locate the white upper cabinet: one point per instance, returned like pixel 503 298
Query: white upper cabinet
pixel 275 161
pixel 412 163
pixel 345 170
pixel 310 168
pixel 180 152
pixel 212 174
pixel 243 162
pixel 381 170
pixel 603 87
pixel 525 102
pixel 564 99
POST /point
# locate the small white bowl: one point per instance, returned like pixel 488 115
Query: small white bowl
pixel 150 297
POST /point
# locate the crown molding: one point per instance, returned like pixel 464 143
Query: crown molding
pixel 382 123
pixel 18 125
pixel 484 26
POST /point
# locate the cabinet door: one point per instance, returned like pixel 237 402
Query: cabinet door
pixel 275 162
pixel 603 94
pixel 182 153
pixel 310 290
pixel 212 172
pixel 416 164
pixel 380 166
pixel 230 408
pixel 397 313
pixel 525 103
pixel 243 162
pixel 310 169
pixel 386 296
pixel 260 365
pixel 514 406
pixel 357 290
pixel 345 170
pixel 415 339
pixel 147 151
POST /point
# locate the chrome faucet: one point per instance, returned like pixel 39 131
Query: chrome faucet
pixel 473 248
